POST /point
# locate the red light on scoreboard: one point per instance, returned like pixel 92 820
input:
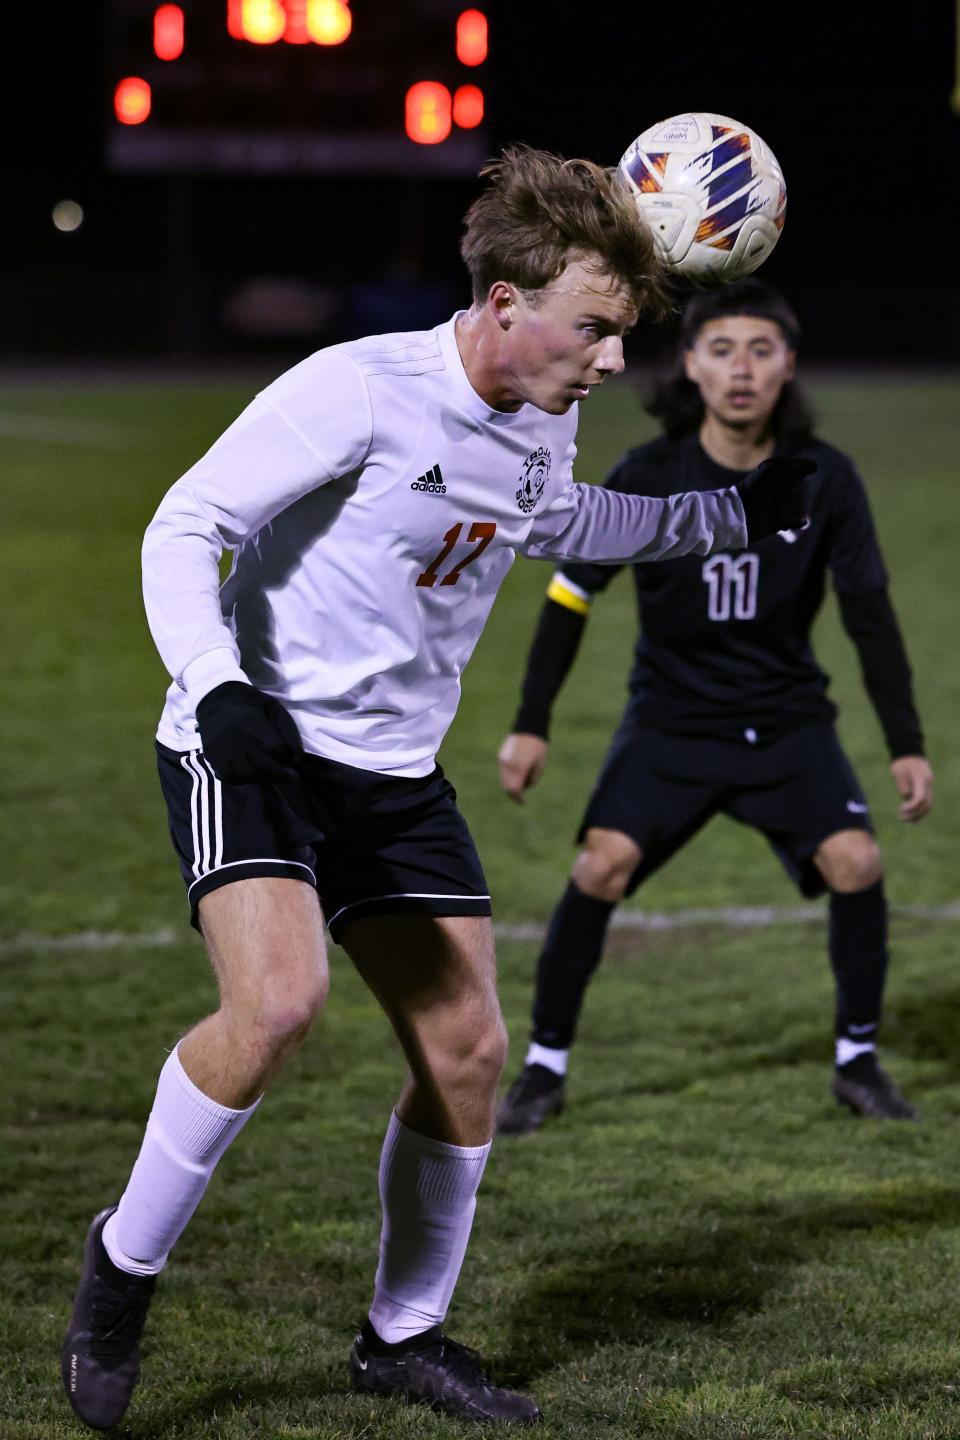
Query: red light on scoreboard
pixel 295 32
pixel 428 112
pixel 168 32
pixel 298 22
pixel 329 22
pixel 262 22
pixel 131 100
pixel 298 87
pixel 472 37
pixel 468 106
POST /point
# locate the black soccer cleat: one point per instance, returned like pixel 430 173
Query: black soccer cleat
pixel 100 1354
pixel 439 1372
pixel 866 1089
pixel 535 1095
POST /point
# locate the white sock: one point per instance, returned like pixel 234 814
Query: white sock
pixel 186 1134
pixel 848 1050
pixel 428 1193
pixel 555 1060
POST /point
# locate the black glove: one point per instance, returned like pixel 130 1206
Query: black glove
pixel 247 735
pixel 776 496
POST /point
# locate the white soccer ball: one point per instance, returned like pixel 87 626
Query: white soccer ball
pixel 712 193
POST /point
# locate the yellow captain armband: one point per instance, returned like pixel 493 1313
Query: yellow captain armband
pixel 564 593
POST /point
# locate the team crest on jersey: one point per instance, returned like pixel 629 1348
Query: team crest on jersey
pixel 533 477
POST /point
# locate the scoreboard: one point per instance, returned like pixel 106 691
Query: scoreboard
pixel 321 87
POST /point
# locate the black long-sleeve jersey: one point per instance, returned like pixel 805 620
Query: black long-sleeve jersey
pixel 724 645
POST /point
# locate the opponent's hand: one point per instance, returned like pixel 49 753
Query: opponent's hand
pixel 521 760
pixel 914 779
pixel 247 735
pixel 776 496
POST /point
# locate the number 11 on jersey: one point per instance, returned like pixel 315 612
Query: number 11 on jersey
pixel 481 530
pixel 732 586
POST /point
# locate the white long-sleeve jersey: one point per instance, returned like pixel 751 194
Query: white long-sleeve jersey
pixel 374 503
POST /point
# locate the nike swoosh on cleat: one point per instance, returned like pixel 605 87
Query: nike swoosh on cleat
pixel 856 808
pixel 361 1363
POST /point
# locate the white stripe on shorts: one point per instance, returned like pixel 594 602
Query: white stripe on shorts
pixel 201 825
pixel 402 895
pixel 206 813
pixel 194 812
pixel 217 813
pixel 252 860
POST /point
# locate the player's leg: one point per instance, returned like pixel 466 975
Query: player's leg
pixel 265 941
pixel 646 805
pixel 572 950
pixel 435 978
pixel 804 795
pixel 852 868
pixel 600 878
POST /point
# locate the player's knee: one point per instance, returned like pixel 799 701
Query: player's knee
pixel 851 865
pixel 864 871
pixel 604 872
pixel 476 1059
pixel 489 1054
pixel 283 1013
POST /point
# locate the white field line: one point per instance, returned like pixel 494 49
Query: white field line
pixel 55 430
pixel 733 917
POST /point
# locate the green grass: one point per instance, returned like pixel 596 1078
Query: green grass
pixel 702 1245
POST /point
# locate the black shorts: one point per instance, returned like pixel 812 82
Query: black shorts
pixel 661 789
pixel 371 844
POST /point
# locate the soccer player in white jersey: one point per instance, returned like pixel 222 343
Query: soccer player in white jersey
pixel 374 497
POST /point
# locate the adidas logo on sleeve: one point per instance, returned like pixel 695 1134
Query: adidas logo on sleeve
pixel 431 483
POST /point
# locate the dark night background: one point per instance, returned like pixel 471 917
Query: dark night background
pixel 856 108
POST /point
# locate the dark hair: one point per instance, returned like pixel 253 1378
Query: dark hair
pixel 675 400
pixel 537 208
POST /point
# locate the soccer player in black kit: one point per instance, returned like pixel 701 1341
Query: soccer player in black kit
pixel 728 710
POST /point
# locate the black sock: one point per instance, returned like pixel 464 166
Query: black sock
pixel 858 955
pixel 376 1346
pixel 569 957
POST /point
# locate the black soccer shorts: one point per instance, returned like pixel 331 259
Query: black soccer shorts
pixel 660 789
pixel 371 844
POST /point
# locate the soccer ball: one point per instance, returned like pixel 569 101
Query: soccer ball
pixel 711 192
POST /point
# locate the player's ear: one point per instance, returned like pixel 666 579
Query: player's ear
pixel 689 364
pixel 791 369
pixel 502 302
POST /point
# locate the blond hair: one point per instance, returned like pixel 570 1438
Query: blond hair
pixel 538 209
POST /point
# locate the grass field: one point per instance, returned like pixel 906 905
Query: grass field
pixel 702 1245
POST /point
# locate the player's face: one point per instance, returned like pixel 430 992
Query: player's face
pixel 565 340
pixel 740 364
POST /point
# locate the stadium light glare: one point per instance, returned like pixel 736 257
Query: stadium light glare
pixel 472 37
pixel 67 216
pixel 131 100
pixel 168 32
pixel 295 32
pixel 262 22
pixel 468 106
pixel 329 22
pixel 428 112
pixel 235 19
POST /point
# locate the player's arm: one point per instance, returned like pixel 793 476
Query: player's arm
pixel 263 463
pixel 869 619
pixel 523 754
pixel 592 523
